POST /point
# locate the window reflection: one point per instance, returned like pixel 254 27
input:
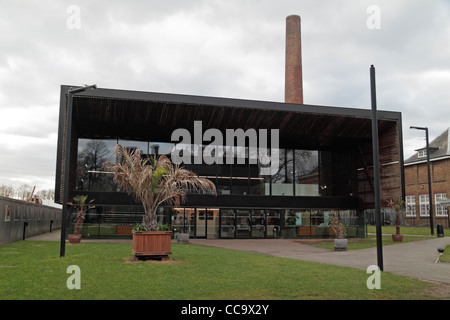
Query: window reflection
pixel 306 170
pixel 282 180
pixel 299 172
pixel 91 171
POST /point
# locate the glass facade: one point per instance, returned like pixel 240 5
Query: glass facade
pixel 316 223
pixel 223 223
pixel 299 173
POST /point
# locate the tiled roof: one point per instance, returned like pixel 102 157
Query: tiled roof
pixel 439 148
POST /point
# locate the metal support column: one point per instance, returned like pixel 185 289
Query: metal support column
pixel 376 168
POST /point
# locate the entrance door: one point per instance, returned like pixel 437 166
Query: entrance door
pixel 258 224
pixel 207 225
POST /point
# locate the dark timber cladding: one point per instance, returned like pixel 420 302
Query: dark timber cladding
pixel 147 116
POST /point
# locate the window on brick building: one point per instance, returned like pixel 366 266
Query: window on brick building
pixel 441 211
pixel 424 205
pixel 410 206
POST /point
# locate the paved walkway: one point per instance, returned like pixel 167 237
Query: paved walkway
pixel 414 259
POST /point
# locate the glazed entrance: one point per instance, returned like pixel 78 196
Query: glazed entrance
pixel 211 223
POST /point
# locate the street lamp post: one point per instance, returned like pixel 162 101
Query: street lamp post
pixel 376 168
pixel 67 141
pixel 430 194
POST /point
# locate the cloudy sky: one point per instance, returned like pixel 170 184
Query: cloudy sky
pixel 232 48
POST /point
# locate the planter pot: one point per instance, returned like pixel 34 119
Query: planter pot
pixel 124 230
pixel 340 244
pixel 183 238
pixel 74 238
pixel 152 244
pixel 397 237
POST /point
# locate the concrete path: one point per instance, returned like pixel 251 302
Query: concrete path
pixel 414 259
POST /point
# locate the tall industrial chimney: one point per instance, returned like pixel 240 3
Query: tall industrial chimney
pixel 293 75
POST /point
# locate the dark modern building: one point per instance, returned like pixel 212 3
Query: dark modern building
pixel 325 160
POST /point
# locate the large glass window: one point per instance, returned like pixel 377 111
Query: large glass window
pixel 240 177
pixel 281 183
pixel 242 223
pixel 132 145
pixel 298 173
pixel 306 171
pixel 441 211
pixel 410 206
pixel 258 184
pixel 92 174
pixel 227 223
pixel 424 205
pixel 178 220
pixel 273 223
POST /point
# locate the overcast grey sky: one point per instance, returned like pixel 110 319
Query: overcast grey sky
pixel 232 48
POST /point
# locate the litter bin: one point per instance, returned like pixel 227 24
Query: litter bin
pixel 440 230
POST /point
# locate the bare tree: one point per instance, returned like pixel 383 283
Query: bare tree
pixel 24 191
pixel 46 194
pixel 7 190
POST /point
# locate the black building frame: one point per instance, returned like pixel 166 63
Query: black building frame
pixel 135 115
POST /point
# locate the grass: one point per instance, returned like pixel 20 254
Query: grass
pixel 409 234
pixel 33 270
pixel 410 231
pixel 445 257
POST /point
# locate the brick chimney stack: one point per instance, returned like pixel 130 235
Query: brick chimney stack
pixel 293 75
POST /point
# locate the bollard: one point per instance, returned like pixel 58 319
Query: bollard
pixel 183 238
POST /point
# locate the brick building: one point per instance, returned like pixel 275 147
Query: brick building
pixel 416 183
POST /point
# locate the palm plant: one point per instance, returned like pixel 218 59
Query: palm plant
pixel 398 205
pixel 80 203
pixel 154 181
pixel 338 227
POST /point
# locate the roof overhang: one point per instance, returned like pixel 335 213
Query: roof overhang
pixel 136 115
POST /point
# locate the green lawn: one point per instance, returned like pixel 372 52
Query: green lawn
pixel 412 231
pixel 34 270
pixel 409 234
pixel 445 257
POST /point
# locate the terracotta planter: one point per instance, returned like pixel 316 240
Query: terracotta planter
pixel 74 238
pixel 152 244
pixel 397 237
pixel 124 230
